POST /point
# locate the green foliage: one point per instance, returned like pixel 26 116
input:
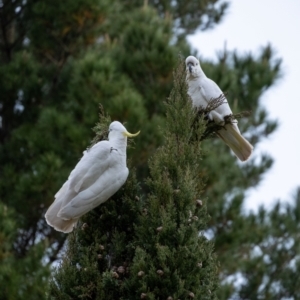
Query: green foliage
pixel 175 259
pixel 150 71
pixel 153 54
pixel 268 254
pixel 26 277
pixel 61 29
pixel 188 15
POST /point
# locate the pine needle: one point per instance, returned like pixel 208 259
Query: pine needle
pixel 101 128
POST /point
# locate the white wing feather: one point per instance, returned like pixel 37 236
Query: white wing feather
pixel 106 185
pixel 96 177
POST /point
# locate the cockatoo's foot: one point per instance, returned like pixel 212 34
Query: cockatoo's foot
pixel 207 117
pixel 213 115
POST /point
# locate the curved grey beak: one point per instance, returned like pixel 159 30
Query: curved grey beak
pixel 190 67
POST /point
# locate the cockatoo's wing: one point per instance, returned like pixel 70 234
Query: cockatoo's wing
pixel 95 161
pixel 110 181
pixel 98 171
pixel 210 90
pixel 96 178
pixel 58 223
pixel 230 134
pixel 92 165
pixel 51 214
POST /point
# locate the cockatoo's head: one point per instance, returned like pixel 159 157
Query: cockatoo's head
pixel 117 130
pixel 193 68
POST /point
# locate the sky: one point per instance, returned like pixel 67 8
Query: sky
pixel 247 26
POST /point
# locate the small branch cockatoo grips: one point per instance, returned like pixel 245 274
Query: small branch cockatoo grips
pixel 99 174
pixel 202 90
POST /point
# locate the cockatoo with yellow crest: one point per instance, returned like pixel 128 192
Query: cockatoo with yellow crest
pixel 99 174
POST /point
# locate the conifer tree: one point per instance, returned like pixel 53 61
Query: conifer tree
pixel 274 264
pixel 154 248
pixel 173 258
pixel 16 282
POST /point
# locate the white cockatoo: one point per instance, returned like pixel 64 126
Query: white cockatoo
pixel 201 90
pixel 99 174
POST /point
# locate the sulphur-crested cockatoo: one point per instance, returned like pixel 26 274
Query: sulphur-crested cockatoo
pixel 99 174
pixel 201 90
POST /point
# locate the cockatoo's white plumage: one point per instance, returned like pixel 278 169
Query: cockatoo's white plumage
pixel 201 90
pixel 99 174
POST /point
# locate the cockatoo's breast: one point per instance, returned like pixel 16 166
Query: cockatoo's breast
pixel 195 91
pixel 117 158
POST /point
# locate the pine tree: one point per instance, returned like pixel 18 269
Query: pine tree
pixel 131 248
